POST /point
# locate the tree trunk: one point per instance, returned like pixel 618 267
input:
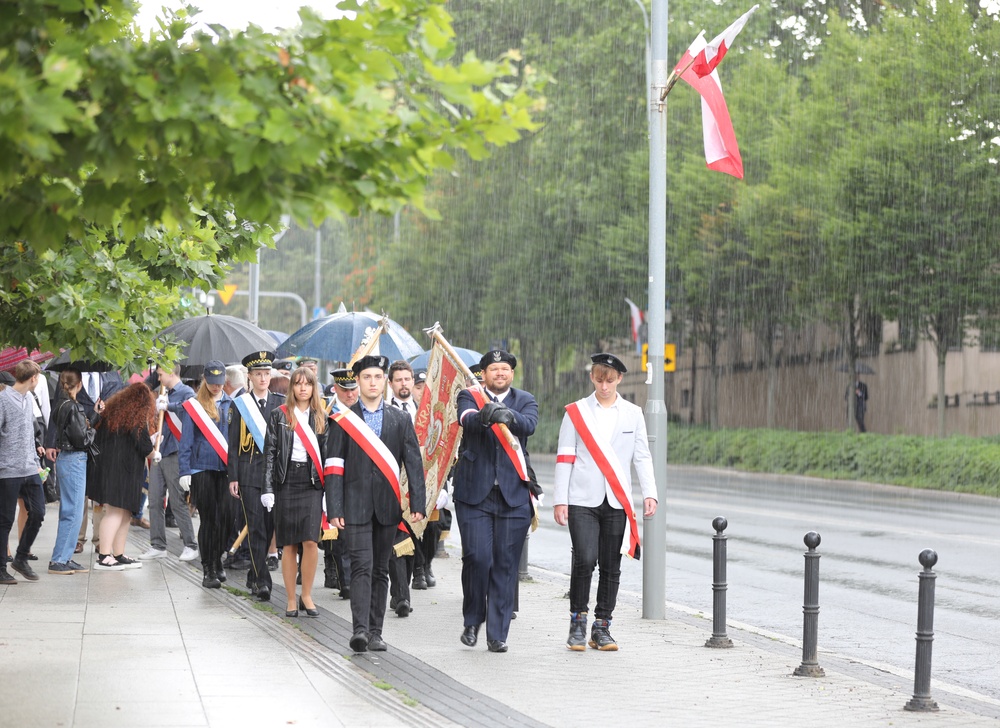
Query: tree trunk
pixel 772 389
pixel 713 355
pixel 942 355
pixel 694 381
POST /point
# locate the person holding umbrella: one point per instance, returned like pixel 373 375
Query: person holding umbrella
pixel 295 451
pixel 202 463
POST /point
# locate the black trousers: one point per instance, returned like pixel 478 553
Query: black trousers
pixel 596 534
pixel 30 489
pixel 369 545
pixel 210 494
pixel 260 528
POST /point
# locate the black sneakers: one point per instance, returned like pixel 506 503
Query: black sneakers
pixel 577 632
pixel 21 567
pixel 600 636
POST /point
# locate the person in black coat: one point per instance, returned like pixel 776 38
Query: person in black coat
pixel 363 493
pixel 294 456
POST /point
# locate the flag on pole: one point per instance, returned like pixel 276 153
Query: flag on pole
pixel 712 54
pixel 721 151
pixel 636 315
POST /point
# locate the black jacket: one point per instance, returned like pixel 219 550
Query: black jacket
pixel 70 413
pixel 278 451
pixel 246 463
pixel 362 492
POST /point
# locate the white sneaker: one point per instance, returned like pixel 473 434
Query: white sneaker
pixel 154 554
pixel 189 554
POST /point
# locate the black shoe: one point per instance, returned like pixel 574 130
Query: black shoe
pixel 403 608
pixel 211 581
pixel 377 644
pixel 330 581
pixel 359 642
pixel 600 636
pixel 220 574
pixel 6 577
pixel 21 567
pixel 429 576
pixel 470 635
pixel 169 521
pixel 238 564
pixel 272 563
pixel 577 640
pixel 264 593
pixel 496 646
pixel 345 592
pixel 291 612
pixel 31 557
pixel 419 582
pixel 309 612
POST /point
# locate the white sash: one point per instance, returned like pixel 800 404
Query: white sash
pixel 253 417
pixel 208 428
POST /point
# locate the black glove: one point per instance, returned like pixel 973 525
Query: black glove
pixel 487 412
pixel 503 416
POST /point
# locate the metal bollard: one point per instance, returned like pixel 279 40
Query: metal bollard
pixel 921 700
pixel 522 565
pixel 719 586
pixel 810 611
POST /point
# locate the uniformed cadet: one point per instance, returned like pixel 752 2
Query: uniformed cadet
pixel 343 393
pixel 602 436
pixel 247 434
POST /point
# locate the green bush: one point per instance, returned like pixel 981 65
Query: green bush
pixel 960 464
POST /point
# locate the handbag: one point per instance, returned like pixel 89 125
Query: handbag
pixel 51 486
pixel 77 429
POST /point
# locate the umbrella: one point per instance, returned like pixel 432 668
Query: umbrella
pixel 337 337
pixel 11 357
pixel 66 361
pixel 468 356
pixel 278 336
pixel 215 336
pixel 859 368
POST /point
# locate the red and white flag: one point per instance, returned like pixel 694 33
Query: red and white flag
pixel 721 151
pixel 636 314
pixel 706 59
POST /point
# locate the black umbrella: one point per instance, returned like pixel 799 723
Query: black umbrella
pixel 66 361
pixel 859 368
pixel 214 336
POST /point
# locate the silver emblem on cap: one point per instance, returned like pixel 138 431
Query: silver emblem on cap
pixel 497 356
pixel 611 362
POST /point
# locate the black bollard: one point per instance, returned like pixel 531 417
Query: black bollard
pixel 719 586
pixel 810 611
pixel 921 700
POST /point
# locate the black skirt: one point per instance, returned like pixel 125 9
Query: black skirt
pixel 298 507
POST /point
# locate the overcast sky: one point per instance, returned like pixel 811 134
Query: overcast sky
pixel 236 14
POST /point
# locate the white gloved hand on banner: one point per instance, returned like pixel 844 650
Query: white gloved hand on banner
pixel 444 500
pixel 185 483
pixel 157 456
pixel 161 403
pixel 267 500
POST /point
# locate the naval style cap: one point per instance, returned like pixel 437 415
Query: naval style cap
pixel 307 360
pixel 609 360
pixel 420 376
pixel 215 372
pixel 284 365
pixel 344 378
pixel 498 356
pixel 259 360
pixel 369 362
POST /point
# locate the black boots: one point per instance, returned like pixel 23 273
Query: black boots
pixel 600 636
pixel 577 632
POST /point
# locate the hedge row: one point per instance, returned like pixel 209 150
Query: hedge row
pixel 960 464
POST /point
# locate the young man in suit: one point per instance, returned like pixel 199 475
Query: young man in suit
pixel 370 442
pixel 491 497
pixel 601 437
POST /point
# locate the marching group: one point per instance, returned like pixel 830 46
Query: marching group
pixel 274 463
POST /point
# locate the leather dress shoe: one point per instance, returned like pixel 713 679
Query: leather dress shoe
pixel 359 642
pixel 403 608
pixel 345 592
pixel 309 612
pixel 264 593
pixel 220 573
pixel 211 581
pixel 291 612
pixel 377 644
pixel 496 646
pixel 470 635
pixel 429 577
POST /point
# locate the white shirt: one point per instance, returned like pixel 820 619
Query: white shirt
pixel 410 408
pixel 299 454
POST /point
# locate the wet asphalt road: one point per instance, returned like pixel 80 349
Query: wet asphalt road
pixel 871 537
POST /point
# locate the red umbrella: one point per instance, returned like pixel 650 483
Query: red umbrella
pixel 10 358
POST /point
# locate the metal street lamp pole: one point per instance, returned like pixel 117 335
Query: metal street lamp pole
pixel 254 308
pixel 654 561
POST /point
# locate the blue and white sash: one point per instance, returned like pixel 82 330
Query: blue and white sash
pixel 253 418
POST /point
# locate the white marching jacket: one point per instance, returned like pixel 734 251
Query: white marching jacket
pixel 579 480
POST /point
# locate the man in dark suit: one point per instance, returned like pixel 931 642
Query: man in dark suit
pixel 370 441
pixel 491 497
pixel 247 433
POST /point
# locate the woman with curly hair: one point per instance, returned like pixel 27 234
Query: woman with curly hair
pixel 123 443
pixel 295 452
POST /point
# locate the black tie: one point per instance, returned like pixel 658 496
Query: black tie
pixel 403 405
pixel 261 402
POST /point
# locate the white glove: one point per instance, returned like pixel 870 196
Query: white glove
pixel 324 503
pixel 540 500
pixel 157 456
pixel 267 500
pixel 185 483
pixel 444 500
pixel 161 403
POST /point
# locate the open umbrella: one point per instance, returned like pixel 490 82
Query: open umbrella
pixel 859 368
pixel 337 337
pixel 278 336
pixel 66 360
pixel 468 356
pixel 11 357
pixel 215 336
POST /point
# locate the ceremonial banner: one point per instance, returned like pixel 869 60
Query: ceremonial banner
pixel 437 426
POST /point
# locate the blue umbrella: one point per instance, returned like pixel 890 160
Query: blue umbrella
pixel 337 337
pixel 468 356
pixel 278 336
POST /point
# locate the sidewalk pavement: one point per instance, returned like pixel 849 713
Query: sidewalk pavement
pixel 152 647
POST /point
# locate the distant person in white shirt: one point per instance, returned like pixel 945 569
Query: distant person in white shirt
pixel 601 437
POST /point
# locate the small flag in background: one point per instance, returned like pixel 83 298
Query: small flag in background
pixel 636 315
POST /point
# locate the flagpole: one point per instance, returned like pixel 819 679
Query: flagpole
pixel 654 562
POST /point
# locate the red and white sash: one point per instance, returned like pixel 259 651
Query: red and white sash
pixel 359 431
pixel 308 439
pixel 516 456
pixel 174 425
pixel 208 428
pixel 610 466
